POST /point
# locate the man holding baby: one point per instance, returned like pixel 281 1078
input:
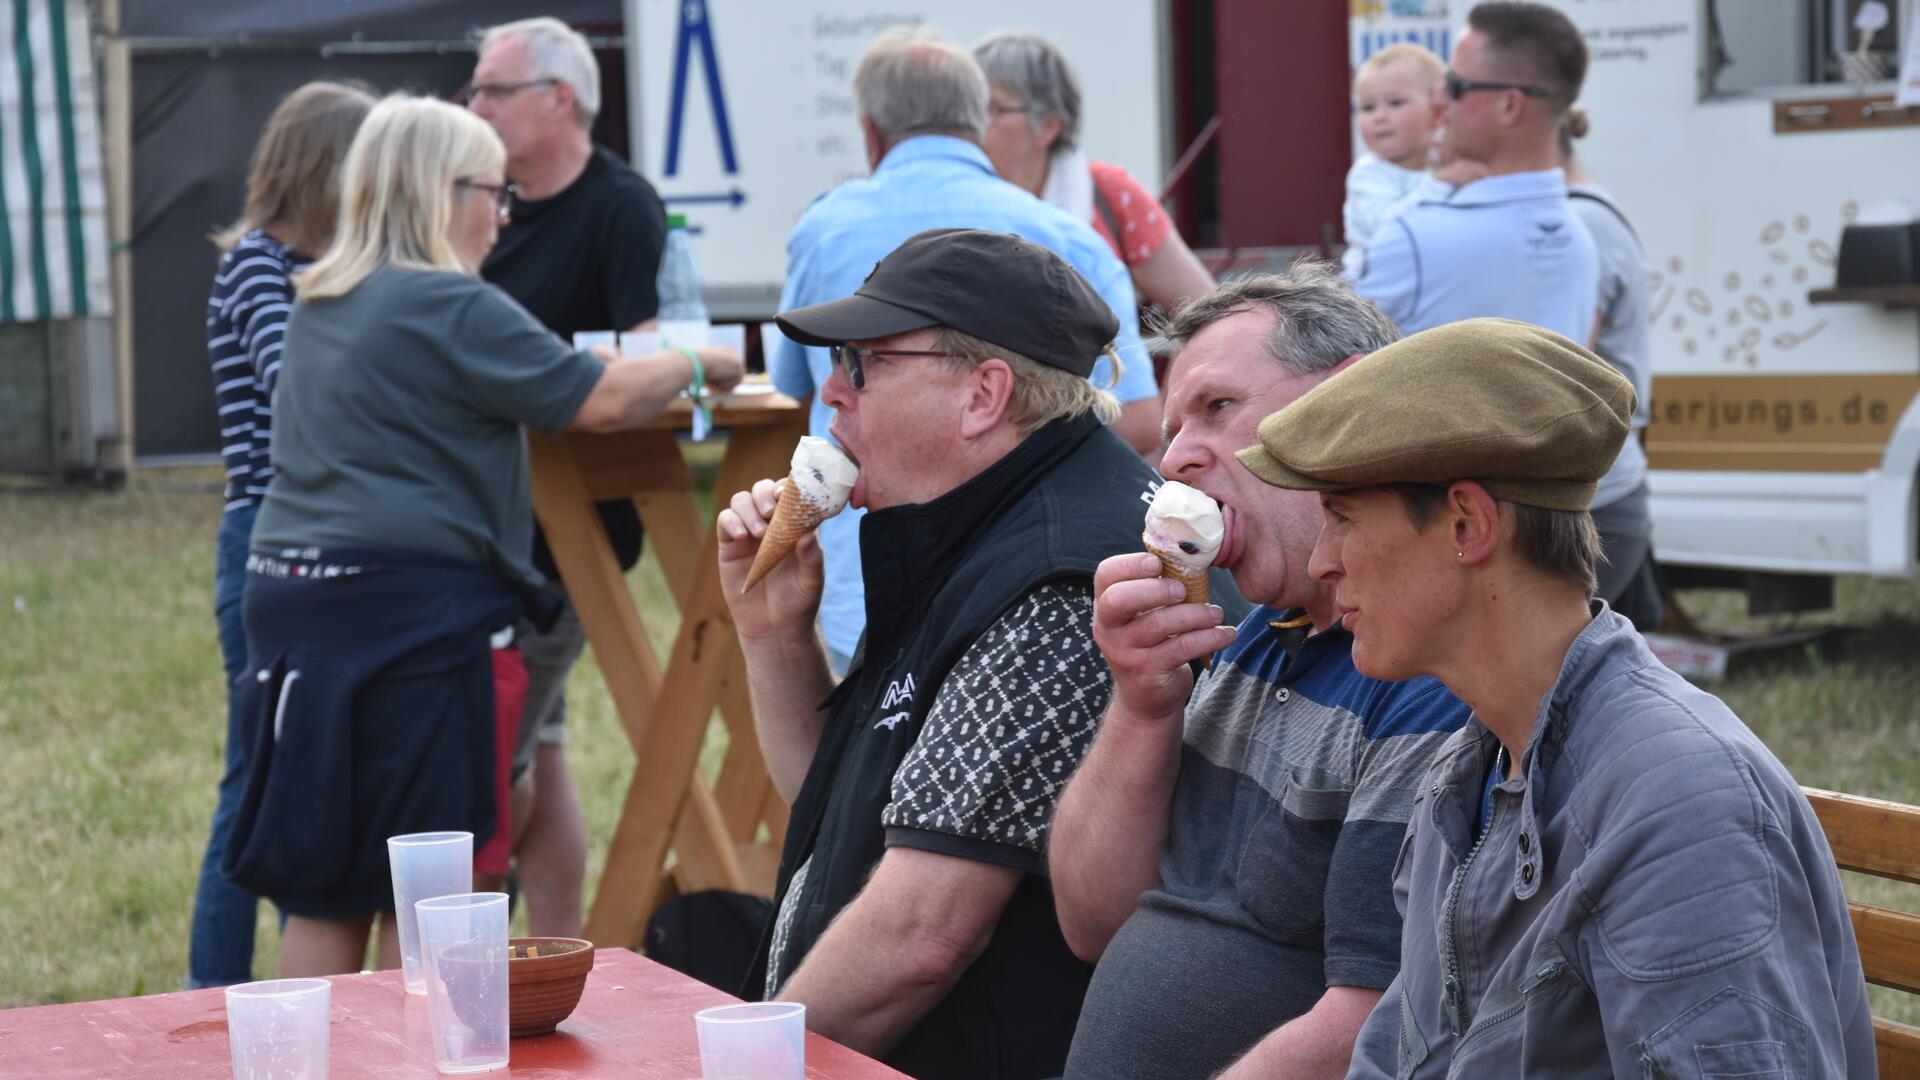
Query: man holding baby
pixel 913 913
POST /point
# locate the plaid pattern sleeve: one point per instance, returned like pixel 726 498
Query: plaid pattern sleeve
pixel 1008 725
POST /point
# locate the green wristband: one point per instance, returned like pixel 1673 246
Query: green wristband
pixel 699 384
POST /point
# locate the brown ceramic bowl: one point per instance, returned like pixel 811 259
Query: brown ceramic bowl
pixel 544 979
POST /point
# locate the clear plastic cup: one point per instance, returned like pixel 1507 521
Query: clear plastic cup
pixel 765 1041
pixel 425 864
pixel 640 343
pixel 463 942
pixel 279 1028
pixel 685 333
pixel 730 336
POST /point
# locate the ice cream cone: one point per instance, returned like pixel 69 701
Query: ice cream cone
pixel 793 517
pixel 1176 564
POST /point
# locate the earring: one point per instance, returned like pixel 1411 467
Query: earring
pixel 1459 554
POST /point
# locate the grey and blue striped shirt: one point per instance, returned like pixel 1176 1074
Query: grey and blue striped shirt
pixel 1297 776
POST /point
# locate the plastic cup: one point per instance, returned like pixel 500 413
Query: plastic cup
pixel 640 343
pixel 729 336
pixel 279 1029
pixel 425 864
pixel 765 1041
pixel 685 333
pixel 463 941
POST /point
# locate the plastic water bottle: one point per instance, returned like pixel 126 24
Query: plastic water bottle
pixel 683 310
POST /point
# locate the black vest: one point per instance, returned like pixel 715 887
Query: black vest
pixel 938 575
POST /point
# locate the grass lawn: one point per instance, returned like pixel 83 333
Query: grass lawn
pixel 112 716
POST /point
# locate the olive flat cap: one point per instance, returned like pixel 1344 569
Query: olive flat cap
pixel 1529 415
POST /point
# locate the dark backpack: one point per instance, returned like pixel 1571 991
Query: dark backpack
pixel 711 936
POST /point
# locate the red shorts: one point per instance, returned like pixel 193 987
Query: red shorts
pixel 509 695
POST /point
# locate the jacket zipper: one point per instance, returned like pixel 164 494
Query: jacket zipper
pixel 1545 972
pixel 1450 930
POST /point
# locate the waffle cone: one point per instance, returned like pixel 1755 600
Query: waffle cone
pixel 793 518
pixel 1174 564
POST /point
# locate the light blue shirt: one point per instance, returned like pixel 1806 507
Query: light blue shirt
pixel 1504 246
pixel 926 182
pixel 1625 339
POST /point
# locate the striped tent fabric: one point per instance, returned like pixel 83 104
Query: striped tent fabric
pixel 53 200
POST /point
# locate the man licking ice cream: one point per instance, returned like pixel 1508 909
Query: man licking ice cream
pixel 1232 839
pixel 993 490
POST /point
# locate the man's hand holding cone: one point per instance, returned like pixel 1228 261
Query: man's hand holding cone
pixel 760 528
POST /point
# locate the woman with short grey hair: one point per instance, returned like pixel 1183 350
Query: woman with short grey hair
pixel 1033 137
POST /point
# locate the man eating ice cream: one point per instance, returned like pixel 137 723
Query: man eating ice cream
pixel 913 914
pixel 1226 850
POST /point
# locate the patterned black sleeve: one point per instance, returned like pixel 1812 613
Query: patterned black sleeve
pixel 1008 726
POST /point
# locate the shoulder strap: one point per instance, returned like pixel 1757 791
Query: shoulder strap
pixel 1611 209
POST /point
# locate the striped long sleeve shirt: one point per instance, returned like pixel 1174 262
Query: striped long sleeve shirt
pixel 246 319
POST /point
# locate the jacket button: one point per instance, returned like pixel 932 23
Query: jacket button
pixel 1283 694
pixel 1526 873
pixel 1526 843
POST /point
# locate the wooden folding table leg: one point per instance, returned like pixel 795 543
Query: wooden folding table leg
pixel 595 585
pixel 670 751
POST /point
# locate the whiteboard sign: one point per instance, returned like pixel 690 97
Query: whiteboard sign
pixel 744 113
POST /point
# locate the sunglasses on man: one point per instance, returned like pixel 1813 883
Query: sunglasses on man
pixel 1458 87
pixel 854 360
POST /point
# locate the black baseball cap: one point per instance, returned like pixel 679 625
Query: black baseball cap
pixel 995 286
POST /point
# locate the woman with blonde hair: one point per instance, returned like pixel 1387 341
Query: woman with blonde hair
pixel 293 194
pixel 395 539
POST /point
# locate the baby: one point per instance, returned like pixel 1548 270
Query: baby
pixel 1399 96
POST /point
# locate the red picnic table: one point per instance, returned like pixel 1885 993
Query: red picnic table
pixel 635 1020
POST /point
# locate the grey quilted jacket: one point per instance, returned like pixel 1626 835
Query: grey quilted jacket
pixel 1651 897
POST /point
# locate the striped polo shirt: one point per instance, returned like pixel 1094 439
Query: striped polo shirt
pixel 246 319
pixel 1297 776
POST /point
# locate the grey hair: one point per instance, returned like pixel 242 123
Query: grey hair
pixel 556 51
pixel 1029 66
pixel 1318 321
pixel 910 82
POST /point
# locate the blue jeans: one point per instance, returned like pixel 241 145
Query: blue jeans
pixel 221 943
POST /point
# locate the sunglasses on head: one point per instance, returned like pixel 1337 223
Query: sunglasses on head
pixel 1458 87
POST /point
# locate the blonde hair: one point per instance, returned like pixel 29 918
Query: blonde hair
pixel 1042 393
pixel 293 182
pixel 1428 70
pixel 397 192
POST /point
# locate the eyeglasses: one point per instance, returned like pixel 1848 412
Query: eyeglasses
pixel 853 360
pixel 502 91
pixel 997 109
pixel 502 195
pixel 1458 87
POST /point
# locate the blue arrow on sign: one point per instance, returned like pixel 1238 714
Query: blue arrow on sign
pixel 733 198
pixel 696 28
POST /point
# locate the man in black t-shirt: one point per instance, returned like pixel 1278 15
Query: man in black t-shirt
pixel 581 253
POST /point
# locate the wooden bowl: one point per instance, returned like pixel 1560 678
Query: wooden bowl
pixel 544 979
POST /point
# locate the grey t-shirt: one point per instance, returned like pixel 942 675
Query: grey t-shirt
pixel 398 420
pixel 1625 339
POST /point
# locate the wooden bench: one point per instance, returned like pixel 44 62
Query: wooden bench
pixel 1872 836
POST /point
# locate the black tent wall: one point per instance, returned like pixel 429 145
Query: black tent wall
pixel 197 110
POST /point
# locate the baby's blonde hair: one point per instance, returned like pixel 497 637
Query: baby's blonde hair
pixel 1428 70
